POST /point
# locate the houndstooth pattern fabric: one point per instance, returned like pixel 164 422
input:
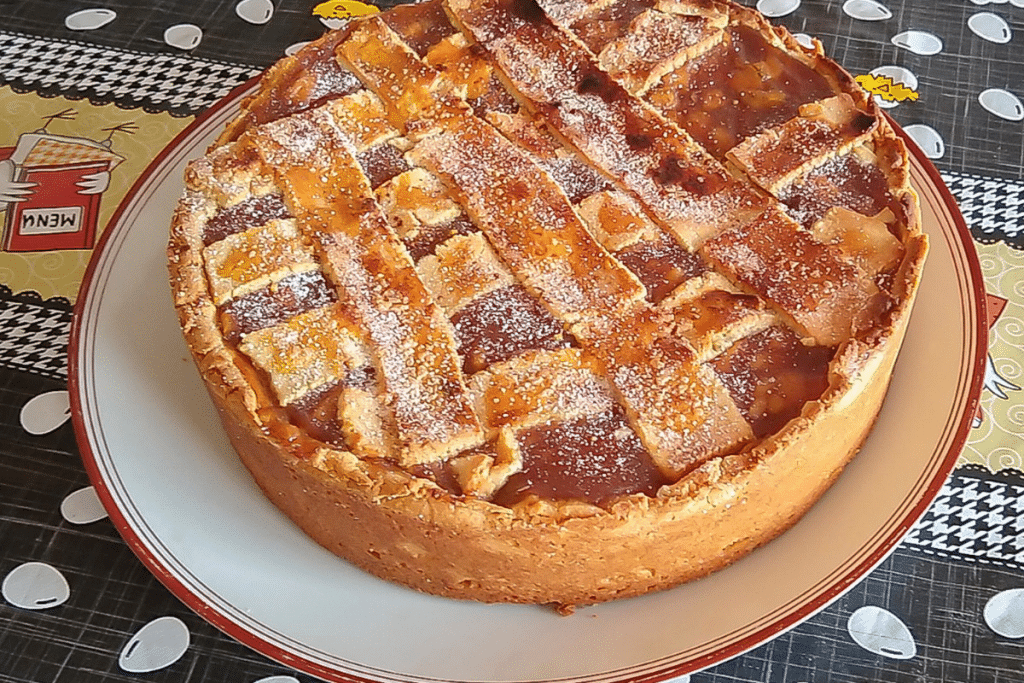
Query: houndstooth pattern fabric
pixel 977 517
pixel 179 85
pixel 34 334
pixel 992 208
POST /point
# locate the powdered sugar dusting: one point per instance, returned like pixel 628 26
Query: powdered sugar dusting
pixel 503 324
pixel 626 139
pixel 528 221
pixel 376 280
pixel 540 386
pixel 800 276
pixel 595 459
pixel 654 37
pixel 594 390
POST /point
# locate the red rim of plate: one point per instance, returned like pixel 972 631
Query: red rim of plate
pixel 658 670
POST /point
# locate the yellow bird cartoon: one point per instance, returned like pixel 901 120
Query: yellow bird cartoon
pixel 343 9
pixel 886 88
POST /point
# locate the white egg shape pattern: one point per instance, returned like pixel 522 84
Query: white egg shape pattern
pixel 255 11
pixel 333 23
pixel 928 139
pixel 918 42
pixel 897 74
pixel 156 645
pixel 881 632
pixel 44 413
pixel 82 507
pixel 777 8
pixel 183 36
pixel 1004 613
pixel 278 679
pixel 1002 103
pixel 805 40
pixel 89 19
pixel 866 10
pixel 991 27
pixel 35 585
pixel 295 47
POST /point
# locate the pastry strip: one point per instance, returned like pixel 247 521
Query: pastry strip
pixel 823 130
pixel 309 351
pixel 825 295
pixel 462 269
pixel 678 407
pixel 656 44
pixel 247 261
pixel 540 387
pixel 528 221
pixel 682 186
pixel 412 91
pixel 314 161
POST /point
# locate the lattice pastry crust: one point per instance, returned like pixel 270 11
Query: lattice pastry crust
pixel 551 301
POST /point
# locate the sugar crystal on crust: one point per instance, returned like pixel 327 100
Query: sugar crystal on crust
pixel 527 219
pixel 246 261
pixel 306 352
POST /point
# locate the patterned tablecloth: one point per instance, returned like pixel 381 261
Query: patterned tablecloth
pixel 108 85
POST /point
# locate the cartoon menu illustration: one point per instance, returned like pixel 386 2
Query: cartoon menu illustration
pixel 50 186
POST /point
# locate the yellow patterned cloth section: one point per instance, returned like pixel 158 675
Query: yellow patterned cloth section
pixel 997 440
pixel 77 132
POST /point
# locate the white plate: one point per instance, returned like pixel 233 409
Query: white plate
pixel 177 493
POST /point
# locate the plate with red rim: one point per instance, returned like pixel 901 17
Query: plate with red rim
pixel 163 468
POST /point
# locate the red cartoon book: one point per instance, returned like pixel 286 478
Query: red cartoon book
pixel 61 211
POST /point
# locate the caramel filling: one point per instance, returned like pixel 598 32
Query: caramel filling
pixel 771 375
pixel 311 78
pixel 503 324
pixel 496 98
pixel 274 304
pixel 240 217
pixel 429 238
pixel 600 28
pixel 737 89
pixel 661 265
pixel 594 459
pixel 420 25
pixel 316 413
pixel 843 181
pixel 382 163
pixel 441 474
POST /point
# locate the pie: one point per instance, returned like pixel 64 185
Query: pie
pixel 549 301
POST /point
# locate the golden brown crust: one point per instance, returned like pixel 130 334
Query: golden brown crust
pixel 402 530
pixel 519 221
